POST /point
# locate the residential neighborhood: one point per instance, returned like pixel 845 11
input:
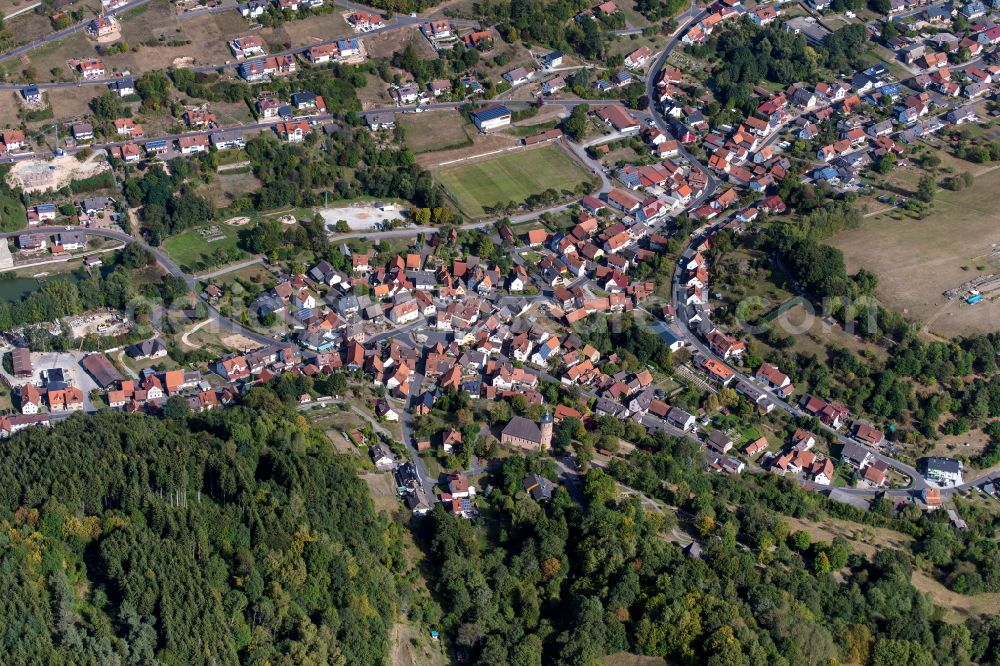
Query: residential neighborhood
pixel 574 301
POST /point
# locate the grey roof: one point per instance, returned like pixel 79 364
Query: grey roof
pixel 719 440
pixel 609 406
pixel 145 348
pixel 523 428
pixel 301 98
pixel 947 465
pixel 124 83
pixel 101 369
pixel 854 453
pixel 380 118
pixel 321 270
pixel 539 487
pixel 233 134
pixel 678 415
pixel 96 203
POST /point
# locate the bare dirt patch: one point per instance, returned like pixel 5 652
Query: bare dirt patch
pixel 360 217
pixel 412 648
pixel 385 44
pixel 240 342
pixel 39 175
pixel 481 143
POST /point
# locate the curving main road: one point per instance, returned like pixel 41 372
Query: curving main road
pixel 681 328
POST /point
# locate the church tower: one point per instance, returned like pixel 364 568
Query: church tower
pixel 546 427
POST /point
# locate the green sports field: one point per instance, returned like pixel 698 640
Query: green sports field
pixel 511 176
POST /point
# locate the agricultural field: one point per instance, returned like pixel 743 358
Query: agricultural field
pixel 917 260
pixel 435 130
pixel 513 176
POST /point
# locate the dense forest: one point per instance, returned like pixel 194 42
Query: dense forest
pixel 228 537
pixel 568 583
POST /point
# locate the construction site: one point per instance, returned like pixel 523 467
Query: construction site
pixel 984 287
pixel 54 174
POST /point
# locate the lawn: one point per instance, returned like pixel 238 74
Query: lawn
pixel 917 260
pixel 513 176
pixel 192 252
pixel 435 130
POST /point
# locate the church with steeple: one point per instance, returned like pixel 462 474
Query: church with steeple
pixel 527 434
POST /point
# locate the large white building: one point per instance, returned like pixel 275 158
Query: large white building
pixel 491 118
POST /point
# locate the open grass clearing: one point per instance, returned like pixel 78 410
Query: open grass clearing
pixel 481 145
pixel 190 248
pixel 54 56
pixel 412 647
pixel 814 334
pixel 9 108
pixel 30 27
pixel 863 539
pixel 70 103
pixel 959 606
pixel 917 260
pixel 12 215
pixel 382 488
pixel 436 130
pixel 968 444
pixel 511 176
pixel 227 186
pixel 383 45
pixel 314 28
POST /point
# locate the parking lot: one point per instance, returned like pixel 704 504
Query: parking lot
pixel 68 362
